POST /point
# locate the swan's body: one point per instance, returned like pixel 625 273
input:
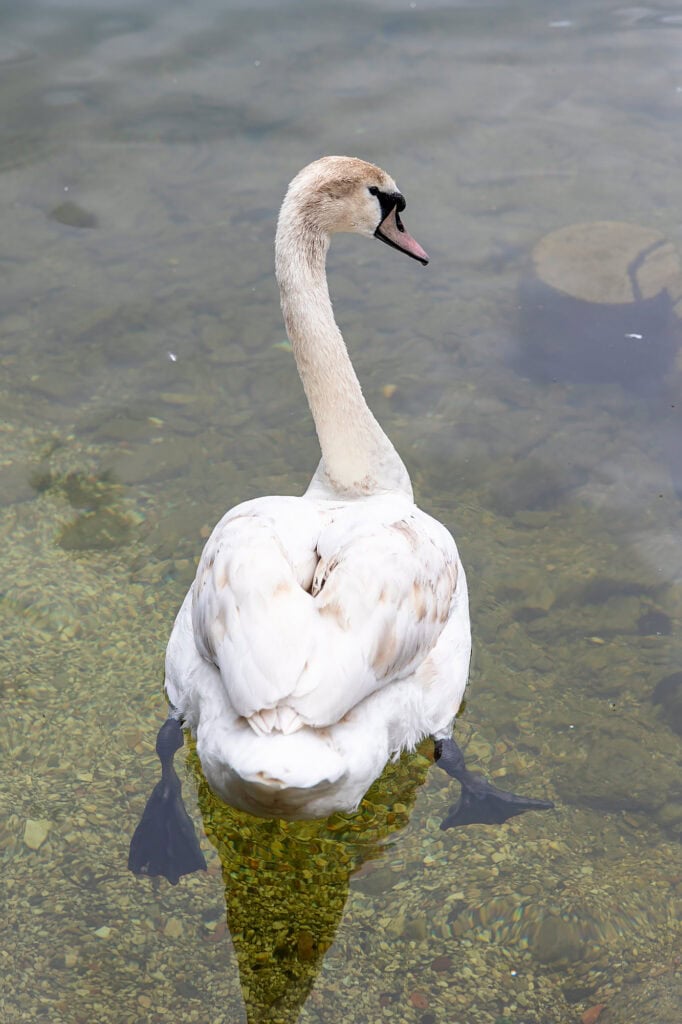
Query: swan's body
pixel 351 642
pixel 323 634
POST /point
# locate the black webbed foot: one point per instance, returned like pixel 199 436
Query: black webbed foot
pixel 165 842
pixel 479 802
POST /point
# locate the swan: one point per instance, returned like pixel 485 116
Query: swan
pixel 326 633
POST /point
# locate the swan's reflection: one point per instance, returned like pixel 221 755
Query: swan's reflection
pixel 286 883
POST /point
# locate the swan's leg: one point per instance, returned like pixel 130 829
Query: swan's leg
pixel 165 842
pixel 479 800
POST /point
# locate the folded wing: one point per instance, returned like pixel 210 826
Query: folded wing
pixel 307 613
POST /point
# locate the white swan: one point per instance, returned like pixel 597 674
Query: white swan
pixel 324 634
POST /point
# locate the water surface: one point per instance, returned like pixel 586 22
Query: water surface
pixel 145 388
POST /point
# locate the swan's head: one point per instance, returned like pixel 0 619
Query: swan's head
pixel 341 193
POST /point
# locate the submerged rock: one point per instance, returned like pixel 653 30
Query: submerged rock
pixel 654 623
pixel 73 215
pixel 558 941
pixel 35 832
pixel 668 693
pixel 618 773
pixel 100 530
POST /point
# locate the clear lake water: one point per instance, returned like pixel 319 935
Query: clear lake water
pixel 145 387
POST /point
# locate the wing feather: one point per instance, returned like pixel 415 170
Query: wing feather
pixel 250 603
pixel 307 611
pixel 387 593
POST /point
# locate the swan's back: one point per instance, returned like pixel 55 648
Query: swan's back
pixel 306 608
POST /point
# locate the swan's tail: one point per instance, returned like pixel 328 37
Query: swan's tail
pixel 272 775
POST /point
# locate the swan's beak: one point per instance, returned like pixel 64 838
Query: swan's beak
pixel 392 231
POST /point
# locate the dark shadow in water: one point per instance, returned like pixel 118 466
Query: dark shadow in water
pixel 567 340
pixel 587 317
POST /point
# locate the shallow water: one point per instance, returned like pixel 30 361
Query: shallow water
pixel 145 388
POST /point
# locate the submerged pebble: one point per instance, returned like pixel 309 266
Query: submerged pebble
pixel 35 832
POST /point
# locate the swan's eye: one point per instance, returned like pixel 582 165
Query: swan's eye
pixel 388 200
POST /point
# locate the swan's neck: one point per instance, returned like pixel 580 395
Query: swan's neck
pixel 357 456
